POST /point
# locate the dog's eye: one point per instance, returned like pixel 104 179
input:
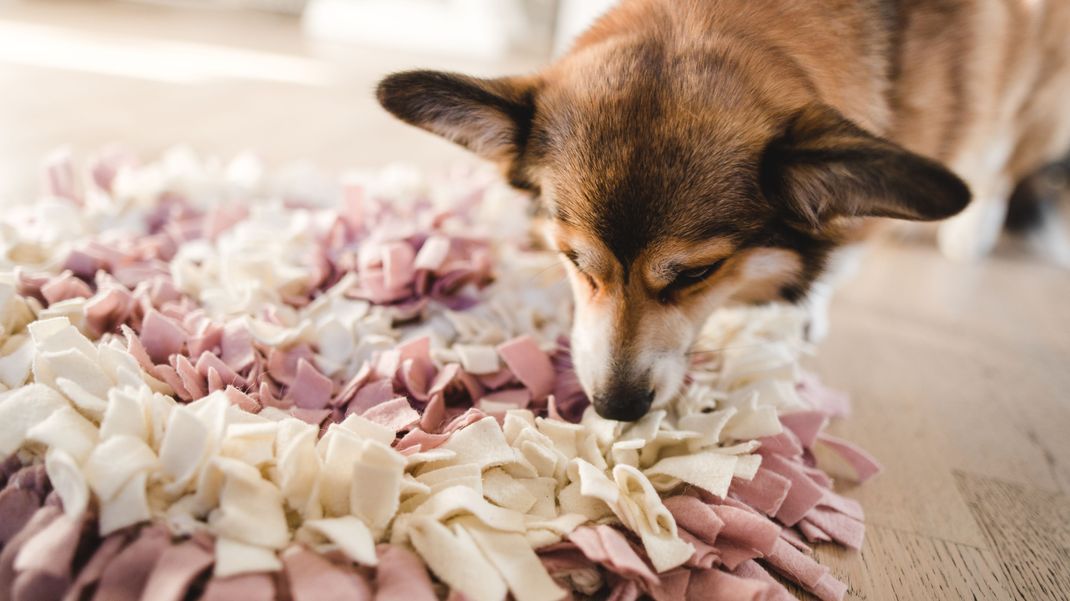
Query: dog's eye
pixel 695 275
pixel 690 277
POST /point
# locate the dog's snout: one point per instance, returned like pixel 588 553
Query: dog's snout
pixel 625 403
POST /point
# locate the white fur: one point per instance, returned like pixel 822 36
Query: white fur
pixel 842 265
pixel 974 232
pixel 664 342
pixel 592 353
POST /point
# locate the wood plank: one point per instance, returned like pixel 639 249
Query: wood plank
pixel 893 419
pixel 993 381
pixel 1028 531
pixel 894 565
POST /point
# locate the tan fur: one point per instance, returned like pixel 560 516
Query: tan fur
pixel 966 71
pixel 754 137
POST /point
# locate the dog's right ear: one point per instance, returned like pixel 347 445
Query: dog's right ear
pixel 490 117
pixel 822 166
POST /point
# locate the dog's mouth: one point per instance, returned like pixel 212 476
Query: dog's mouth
pixel 631 390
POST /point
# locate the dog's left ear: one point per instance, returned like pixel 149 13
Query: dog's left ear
pixel 823 166
pixel 490 117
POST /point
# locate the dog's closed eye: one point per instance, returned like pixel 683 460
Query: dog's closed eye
pixel 695 275
pixel 689 277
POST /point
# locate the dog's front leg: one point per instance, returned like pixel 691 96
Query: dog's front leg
pixel 842 265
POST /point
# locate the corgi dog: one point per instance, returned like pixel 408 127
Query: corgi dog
pixel 693 153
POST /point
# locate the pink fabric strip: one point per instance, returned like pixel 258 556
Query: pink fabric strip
pixel 313 578
pixel 865 465
pixel 245 587
pixel 401 576
pixel 176 569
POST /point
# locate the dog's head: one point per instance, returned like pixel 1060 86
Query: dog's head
pixel 675 183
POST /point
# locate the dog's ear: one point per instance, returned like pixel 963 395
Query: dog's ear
pixel 823 166
pixel 490 117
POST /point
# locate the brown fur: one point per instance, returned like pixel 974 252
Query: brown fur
pixel 751 136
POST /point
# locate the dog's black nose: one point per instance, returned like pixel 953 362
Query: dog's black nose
pixel 624 403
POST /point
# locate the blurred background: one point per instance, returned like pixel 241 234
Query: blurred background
pixel 288 79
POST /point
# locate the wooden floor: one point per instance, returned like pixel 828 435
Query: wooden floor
pixel 960 373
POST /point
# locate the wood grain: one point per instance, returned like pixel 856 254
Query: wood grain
pixel 960 373
pixel 1029 531
pixel 900 566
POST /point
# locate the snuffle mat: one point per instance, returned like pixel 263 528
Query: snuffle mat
pixel 218 383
